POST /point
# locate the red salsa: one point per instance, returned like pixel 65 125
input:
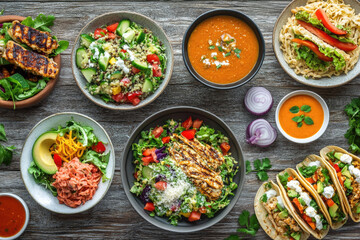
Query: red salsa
pixel 12 216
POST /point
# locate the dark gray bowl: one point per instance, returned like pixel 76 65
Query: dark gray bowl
pixel 240 16
pixel 181 113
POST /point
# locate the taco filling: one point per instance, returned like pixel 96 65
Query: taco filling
pixel 302 201
pixel 279 216
pixel 320 179
pixel 348 173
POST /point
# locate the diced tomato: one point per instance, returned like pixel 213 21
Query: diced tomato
pixel 156 70
pixel 291 238
pixel 135 70
pixel 337 168
pixel 99 147
pixel 189 134
pixel 136 175
pixel 298 205
pixel 310 180
pixel 57 160
pixel 315 186
pixel 111 36
pixel 312 225
pixel 112 27
pixel 225 147
pixel 313 47
pixel 133 95
pixel 290 178
pixel 326 38
pixel 194 216
pixel 148 152
pixel 119 97
pixel 197 123
pixel 321 15
pixel 187 123
pixel 147 160
pixel 124 51
pixel 339 174
pixel 135 101
pixel 153 59
pixel 202 209
pixel 157 131
pixel 99 32
pixel 316 176
pixel 330 202
pixel 125 81
pixel 149 206
pixel 165 139
pixel 161 185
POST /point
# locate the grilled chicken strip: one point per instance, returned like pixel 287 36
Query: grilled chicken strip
pixel 4 73
pixel 207 181
pixel 30 61
pixel 37 40
pixel 213 157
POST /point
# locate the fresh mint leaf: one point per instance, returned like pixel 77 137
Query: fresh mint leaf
pixel 294 109
pixel 308 120
pixel 2 133
pixel 305 108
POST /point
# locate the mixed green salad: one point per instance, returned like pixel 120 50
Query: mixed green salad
pixel 163 185
pixel 122 62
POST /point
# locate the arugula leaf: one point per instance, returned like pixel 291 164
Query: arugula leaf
pixel 63 45
pixel 251 226
pixel 42 178
pixel 2 133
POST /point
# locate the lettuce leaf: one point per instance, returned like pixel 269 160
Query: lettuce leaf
pixel 338 59
pixel 99 160
pixel 42 178
pixel 310 58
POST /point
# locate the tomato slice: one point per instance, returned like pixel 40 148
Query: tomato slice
pixel 194 216
pixel 187 123
pixel 157 131
pixel 313 47
pixel 135 70
pixel 189 134
pixel 112 27
pixel 99 33
pixel 57 161
pixel 225 147
pixel 165 139
pixel 125 81
pixel 135 101
pixel 99 147
pixel 197 123
pixel 330 202
pixel 147 152
pixel 147 160
pixel 149 206
pixel 153 59
pixel 321 15
pixel 161 185
pixel 326 38
pixel 133 95
pixel 156 70
pixel 111 36
pixel 119 97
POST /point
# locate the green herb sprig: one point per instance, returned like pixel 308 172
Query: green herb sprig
pixel 302 118
pixel 260 167
pixel 6 153
pixel 248 225
pixel 352 110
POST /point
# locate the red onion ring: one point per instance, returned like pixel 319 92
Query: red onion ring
pixel 258 101
pixel 260 133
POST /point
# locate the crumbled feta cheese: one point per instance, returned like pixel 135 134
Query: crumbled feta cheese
pixel 216 63
pixel 106 54
pixel 316 164
pixel 120 63
pixel 280 202
pixel 96 53
pixel 210 42
pixel 328 192
pixel 225 63
pixel 206 61
pixel 92 45
pixel 319 224
pixel 305 197
pixel 131 54
pixel 213 54
pixel 294 184
pixel 346 158
pixel 217 44
pixel 271 193
pixel 91 64
pixel 310 211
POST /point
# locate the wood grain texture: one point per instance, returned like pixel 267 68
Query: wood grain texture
pixel 114 217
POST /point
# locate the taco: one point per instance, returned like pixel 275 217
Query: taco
pixel 346 167
pixel 315 173
pixel 303 203
pixel 274 216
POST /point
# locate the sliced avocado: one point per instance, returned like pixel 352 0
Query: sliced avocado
pixel 346 172
pixel 347 184
pixel 302 202
pixel 295 235
pixel 147 172
pixel 320 187
pixel 279 207
pixel 41 152
pixel 283 214
pixel 333 209
pixel 292 193
pixel 338 155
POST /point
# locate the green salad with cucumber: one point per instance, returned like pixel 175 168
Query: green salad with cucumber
pixel 183 170
pixel 122 62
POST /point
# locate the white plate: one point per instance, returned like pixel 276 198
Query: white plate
pixel 42 195
pixel 327 82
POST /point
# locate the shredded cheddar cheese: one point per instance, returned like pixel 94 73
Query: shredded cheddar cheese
pixel 67 147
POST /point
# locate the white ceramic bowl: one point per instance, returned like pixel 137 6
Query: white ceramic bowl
pixel 39 193
pixel 323 127
pixel 27 215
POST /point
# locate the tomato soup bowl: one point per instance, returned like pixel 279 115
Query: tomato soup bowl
pixel 248 24
pixel 27 215
pixel 318 101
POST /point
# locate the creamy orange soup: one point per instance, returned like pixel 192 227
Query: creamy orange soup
pixel 301 129
pixel 223 49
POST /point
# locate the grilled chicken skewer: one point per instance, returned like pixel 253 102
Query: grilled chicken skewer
pixel 37 40
pixel 30 61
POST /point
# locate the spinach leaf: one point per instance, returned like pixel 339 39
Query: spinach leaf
pixel 6 154
pixel 41 22
pixel 63 45
pixel 42 178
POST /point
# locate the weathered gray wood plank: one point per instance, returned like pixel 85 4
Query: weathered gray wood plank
pixel 113 217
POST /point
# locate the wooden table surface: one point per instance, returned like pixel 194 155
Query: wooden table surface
pixel 114 217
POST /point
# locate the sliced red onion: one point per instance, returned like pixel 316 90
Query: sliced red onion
pixel 258 101
pixel 260 133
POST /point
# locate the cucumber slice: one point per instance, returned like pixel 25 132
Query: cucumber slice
pixel 104 61
pixel 116 75
pixel 148 86
pixel 141 37
pixel 88 73
pixel 147 172
pixel 81 58
pixel 140 65
pixel 123 25
pixel 86 40
pixel 129 35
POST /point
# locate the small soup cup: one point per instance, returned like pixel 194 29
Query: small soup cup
pixel 27 215
pixel 323 126
pixel 225 12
